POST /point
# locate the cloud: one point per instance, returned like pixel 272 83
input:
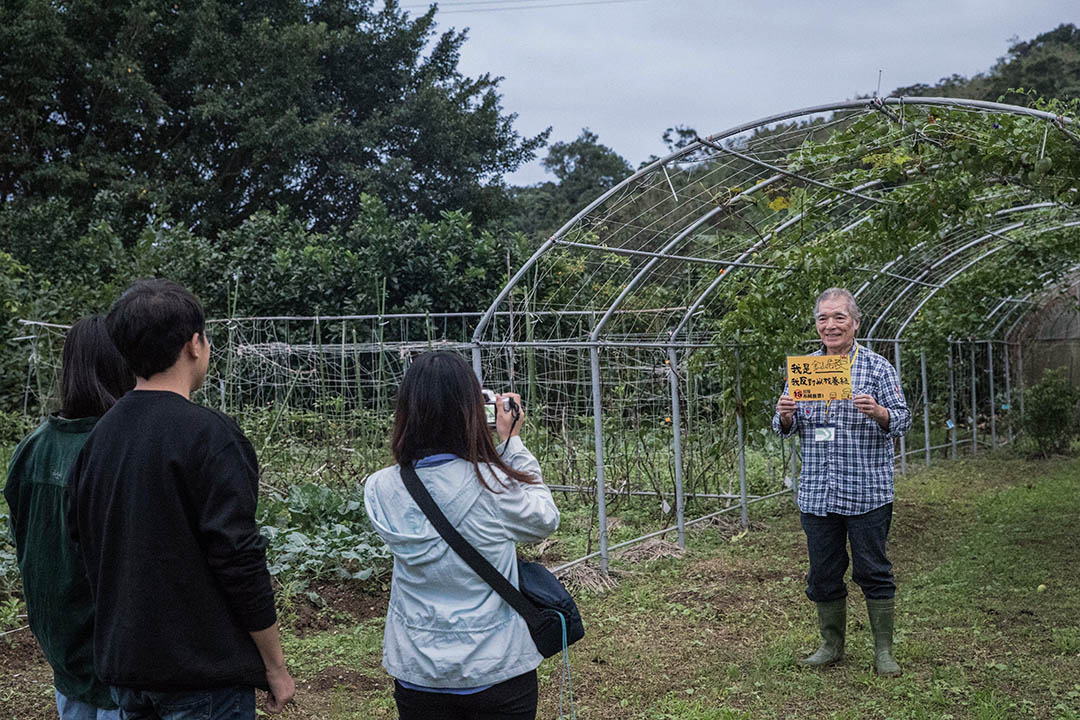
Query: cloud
pixel 628 71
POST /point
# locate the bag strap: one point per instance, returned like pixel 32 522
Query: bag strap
pixel 467 552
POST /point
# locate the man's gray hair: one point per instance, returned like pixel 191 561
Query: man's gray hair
pixel 842 294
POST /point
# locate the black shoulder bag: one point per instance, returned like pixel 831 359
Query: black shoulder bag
pixel 550 613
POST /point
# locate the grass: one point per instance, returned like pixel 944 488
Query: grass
pixel 713 635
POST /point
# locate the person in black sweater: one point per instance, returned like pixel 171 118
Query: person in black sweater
pixel 163 498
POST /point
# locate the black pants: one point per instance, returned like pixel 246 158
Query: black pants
pixel 826 540
pixel 513 699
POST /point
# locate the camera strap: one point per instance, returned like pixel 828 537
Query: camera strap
pixel 466 551
pixel 515 412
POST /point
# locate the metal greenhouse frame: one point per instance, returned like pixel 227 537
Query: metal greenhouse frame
pixel 650 262
pixel 612 329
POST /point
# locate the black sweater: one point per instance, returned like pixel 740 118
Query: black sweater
pixel 163 500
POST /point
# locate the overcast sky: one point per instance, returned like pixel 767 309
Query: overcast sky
pixel 629 69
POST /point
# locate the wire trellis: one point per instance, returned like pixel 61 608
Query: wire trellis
pixel 609 331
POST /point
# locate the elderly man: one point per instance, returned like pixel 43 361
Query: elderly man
pixel 846 484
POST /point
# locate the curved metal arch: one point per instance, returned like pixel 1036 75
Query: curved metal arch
pixel 1018 301
pixel 912 282
pixel 877 103
pixel 1026 304
pixel 594 336
pixel 885 268
pixel 1000 213
pixel 765 239
pixel 692 309
pixel 966 266
pixel 1005 301
pixel 898 258
pixel 967 246
pixel 1023 315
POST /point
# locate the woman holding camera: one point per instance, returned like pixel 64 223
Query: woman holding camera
pixel 454 648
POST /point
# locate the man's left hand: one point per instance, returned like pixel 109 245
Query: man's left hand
pixel 868 406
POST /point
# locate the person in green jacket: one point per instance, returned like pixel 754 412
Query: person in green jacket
pixel 59 604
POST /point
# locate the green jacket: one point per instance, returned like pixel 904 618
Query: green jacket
pixel 57 592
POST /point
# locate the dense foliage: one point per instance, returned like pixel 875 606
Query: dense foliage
pixel 1052 414
pixel 584 169
pixel 1049 64
pixel 317 158
pixel 316 532
pixel 208 112
pixel 270 264
pixel 971 183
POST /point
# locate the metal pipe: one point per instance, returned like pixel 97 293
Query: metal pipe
pixel 941 261
pixel 952 401
pixel 642 493
pixel 476 368
pixel 661 255
pixel 1020 380
pixel 788 173
pixel 1008 393
pixel 676 440
pixel 946 281
pixel 618 343
pixel 974 406
pixel 742 439
pixel 695 521
pixel 384 316
pixel 993 399
pixel 903 454
pixel 598 431
pixel 656 258
pixel 764 240
pixel 926 406
pixel 723 273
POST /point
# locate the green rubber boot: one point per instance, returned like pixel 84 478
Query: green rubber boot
pixel 881 622
pixel 832 618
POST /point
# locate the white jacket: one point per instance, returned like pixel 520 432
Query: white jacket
pixel 445 626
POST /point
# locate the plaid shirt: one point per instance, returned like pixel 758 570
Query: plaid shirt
pixel 852 474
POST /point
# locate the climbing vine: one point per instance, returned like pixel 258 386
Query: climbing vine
pixel 975 207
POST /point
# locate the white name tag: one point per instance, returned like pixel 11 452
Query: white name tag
pixel 826 433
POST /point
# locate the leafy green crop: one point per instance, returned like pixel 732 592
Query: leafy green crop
pixel 316 532
pixel 9 568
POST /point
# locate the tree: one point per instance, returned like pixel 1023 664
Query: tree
pixel 1048 64
pixel 584 169
pixel 207 111
pixel 678 137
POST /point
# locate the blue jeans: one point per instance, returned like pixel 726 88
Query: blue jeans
pixel 826 541
pixel 235 703
pixel 75 710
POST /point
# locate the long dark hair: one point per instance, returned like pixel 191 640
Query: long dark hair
pixel 93 375
pixel 440 409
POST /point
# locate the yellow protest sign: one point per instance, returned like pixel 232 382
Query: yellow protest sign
pixel 819 377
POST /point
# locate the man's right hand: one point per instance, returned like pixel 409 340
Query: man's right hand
pixel 785 406
pixel 282 689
